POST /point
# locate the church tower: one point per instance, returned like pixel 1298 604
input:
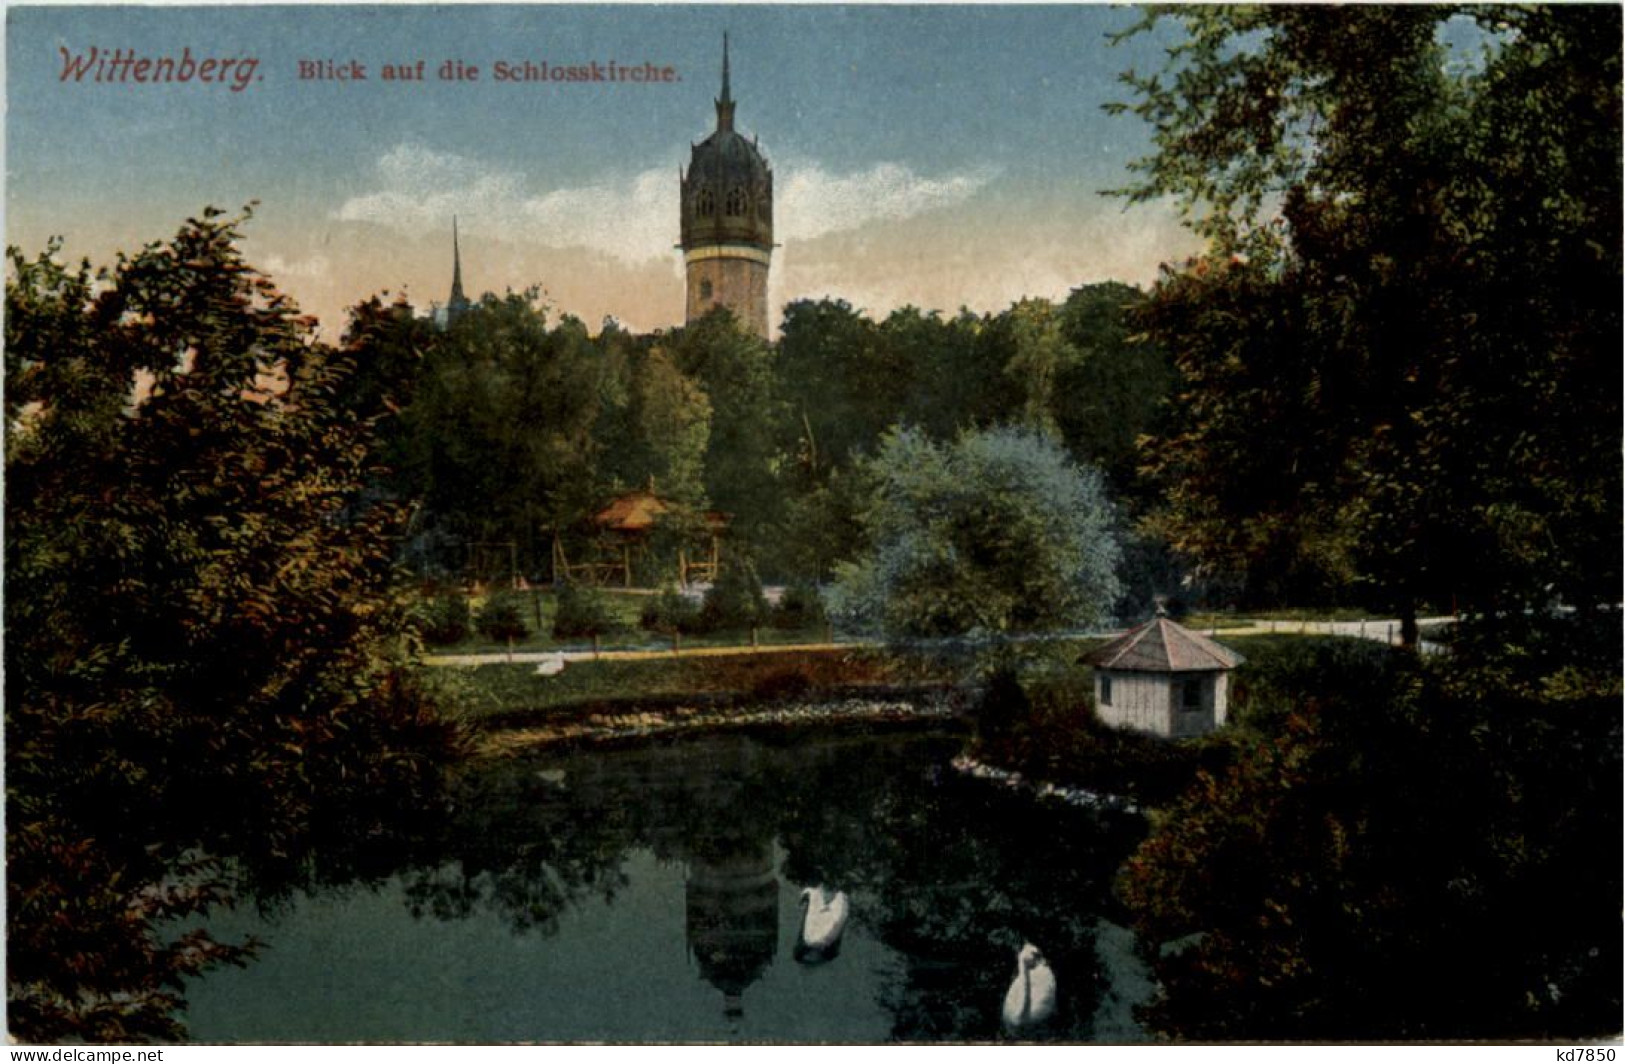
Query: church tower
pixel 727 216
pixel 458 303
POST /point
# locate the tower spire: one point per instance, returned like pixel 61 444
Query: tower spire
pixel 457 303
pixel 725 105
pixel 457 299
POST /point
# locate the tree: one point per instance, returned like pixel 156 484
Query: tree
pixel 1400 351
pixel 203 654
pixel 997 532
pixel 502 430
pixel 1374 864
pixel 735 371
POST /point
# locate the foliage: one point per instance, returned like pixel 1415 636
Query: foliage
pixel 735 600
pixel 995 533
pixel 1377 864
pixel 444 619
pixel 1400 351
pixel 502 617
pixel 671 611
pixel 735 371
pixel 203 657
pixel 1345 673
pixel 583 611
pixel 800 606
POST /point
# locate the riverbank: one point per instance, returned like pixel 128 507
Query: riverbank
pixel 636 724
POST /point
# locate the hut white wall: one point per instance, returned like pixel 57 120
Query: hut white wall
pixel 1139 700
pixel 1154 702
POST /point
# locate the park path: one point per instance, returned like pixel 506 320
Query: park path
pixel 1382 630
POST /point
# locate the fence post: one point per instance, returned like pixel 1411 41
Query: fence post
pixel 510 650
pixel 753 644
pixel 595 654
pixel 1362 627
pixel 1390 633
pixel 676 641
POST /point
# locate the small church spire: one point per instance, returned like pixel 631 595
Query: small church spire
pixel 457 297
pixel 725 105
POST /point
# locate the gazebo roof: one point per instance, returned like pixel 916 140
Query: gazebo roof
pixel 637 511
pixel 1160 645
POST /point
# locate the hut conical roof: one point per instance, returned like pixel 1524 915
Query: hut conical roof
pixel 1161 645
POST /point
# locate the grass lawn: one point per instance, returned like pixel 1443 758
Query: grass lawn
pixel 488 692
pixel 1285 613
pixel 541 606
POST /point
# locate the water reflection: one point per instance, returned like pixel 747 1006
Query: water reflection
pixel 650 894
pixel 732 901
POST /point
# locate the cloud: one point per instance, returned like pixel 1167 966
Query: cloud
pixel 814 202
pixel 314 266
pixel 630 217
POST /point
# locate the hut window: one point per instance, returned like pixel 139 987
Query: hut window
pixel 705 289
pixel 736 202
pixel 1191 695
pixel 705 204
pixel 1105 690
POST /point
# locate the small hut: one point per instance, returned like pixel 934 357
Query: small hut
pixel 1163 678
pixel 623 529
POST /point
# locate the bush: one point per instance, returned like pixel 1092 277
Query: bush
pixel 1004 710
pixel 444 619
pixel 783 685
pixel 670 611
pixel 1284 672
pixel 735 600
pixel 502 618
pixel 800 607
pixel 583 611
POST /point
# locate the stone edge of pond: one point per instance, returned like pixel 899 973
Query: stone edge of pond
pixel 1078 797
pixel 639 724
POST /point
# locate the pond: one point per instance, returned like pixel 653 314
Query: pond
pixel 654 894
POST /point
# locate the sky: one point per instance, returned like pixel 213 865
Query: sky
pixel 939 156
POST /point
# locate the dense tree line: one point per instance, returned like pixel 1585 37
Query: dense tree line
pixel 518 427
pixel 1400 377
pixel 1400 355
pixel 204 650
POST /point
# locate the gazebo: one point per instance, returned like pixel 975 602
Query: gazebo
pixel 623 529
pixel 1164 679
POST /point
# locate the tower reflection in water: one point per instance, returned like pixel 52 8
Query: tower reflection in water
pixel 732 897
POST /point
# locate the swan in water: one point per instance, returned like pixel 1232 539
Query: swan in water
pixel 822 925
pixel 1030 1001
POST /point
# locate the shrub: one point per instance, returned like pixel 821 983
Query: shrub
pixel 443 620
pixel 783 685
pixel 670 611
pixel 800 607
pixel 735 600
pixel 1283 673
pixel 502 617
pixel 583 611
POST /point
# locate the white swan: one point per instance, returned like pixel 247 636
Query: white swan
pixel 551 665
pixel 1030 1001
pixel 822 925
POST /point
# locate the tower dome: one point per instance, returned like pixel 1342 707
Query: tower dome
pixel 727 219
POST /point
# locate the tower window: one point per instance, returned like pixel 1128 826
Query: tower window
pixel 705 204
pixel 736 203
pixel 705 288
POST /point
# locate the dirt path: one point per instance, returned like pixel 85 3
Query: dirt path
pixel 1381 630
